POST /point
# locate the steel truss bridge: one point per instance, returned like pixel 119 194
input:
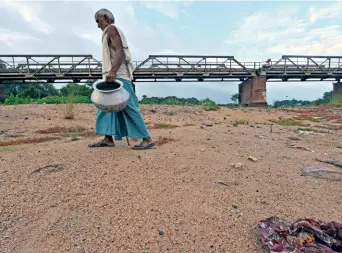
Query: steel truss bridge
pixel 171 68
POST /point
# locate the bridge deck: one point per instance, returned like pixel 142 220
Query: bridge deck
pixel 176 68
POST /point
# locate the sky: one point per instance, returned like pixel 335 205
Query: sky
pixel 249 31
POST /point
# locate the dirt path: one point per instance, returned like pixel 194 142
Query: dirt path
pixel 184 196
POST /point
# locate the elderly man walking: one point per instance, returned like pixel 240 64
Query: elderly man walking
pixel 117 64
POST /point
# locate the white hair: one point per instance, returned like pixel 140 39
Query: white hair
pixel 103 12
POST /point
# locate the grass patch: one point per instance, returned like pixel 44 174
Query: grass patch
pixel 330 127
pixel 171 113
pixel 3 131
pixel 307 129
pixel 293 138
pixel 288 122
pixel 17 100
pixel 68 111
pixel 336 100
pixel 68 108
pixel 6 149
pixel 160 126
pixel 309 118
pixel 211 108
pixel 240 122
pixel 57 129
pixel 27 141
pixel 188 124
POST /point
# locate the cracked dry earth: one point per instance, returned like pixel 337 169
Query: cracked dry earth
pixel 58 195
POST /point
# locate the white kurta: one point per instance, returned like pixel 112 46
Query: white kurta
pixel 126 69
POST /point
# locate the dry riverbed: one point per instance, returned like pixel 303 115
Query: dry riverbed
pixel 212 177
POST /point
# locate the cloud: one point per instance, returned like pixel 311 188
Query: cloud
pixel 76 34
pixel 287 30
pixel 170 9
pixel 68 27
pixel 11 38
pixel 29 12
pixel 316 14
pixel 320 41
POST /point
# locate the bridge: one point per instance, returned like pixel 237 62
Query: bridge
pixel 181 68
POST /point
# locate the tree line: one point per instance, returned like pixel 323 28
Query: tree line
pixel 16 92
pixel 325 100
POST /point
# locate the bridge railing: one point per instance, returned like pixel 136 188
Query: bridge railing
pixel 175 67
pixel 84 66
pixel 189 66
pixel 307 64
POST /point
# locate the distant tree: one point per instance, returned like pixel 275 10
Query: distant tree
pixel 172 100
pixel 13 87
pixel 291 103
pixel 76 90
pixel 235 97
pixel 207 102
pixel 326 99
pixel 39 90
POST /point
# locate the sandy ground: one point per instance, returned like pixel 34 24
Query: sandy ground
pixel 169 199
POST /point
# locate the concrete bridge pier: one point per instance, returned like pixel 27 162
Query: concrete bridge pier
pixel 337 92
pixel 253 92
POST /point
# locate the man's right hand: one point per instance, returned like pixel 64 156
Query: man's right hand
pixel 110 78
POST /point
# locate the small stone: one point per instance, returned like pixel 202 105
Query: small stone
pixel 236 165
pixel 202 150
pixel 251 158
pixel 161 233
pixel 260 136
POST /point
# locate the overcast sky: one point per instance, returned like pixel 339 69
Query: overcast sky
pixel 250 31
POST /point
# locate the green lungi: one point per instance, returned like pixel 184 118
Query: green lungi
pixel 128 122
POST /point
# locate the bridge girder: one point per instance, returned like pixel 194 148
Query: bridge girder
pixel 172 68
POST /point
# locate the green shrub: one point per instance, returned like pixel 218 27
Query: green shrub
pixel 15 100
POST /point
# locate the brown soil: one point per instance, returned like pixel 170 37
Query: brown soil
pixel 57 195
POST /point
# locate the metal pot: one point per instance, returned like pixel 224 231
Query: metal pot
pixel 109 97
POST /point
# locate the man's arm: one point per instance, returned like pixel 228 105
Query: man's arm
pixel 115 42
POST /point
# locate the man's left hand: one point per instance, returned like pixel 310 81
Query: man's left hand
pixel 110 77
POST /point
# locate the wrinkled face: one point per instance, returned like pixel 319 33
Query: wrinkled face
pixel 102 22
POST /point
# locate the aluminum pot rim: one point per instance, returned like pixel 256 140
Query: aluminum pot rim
pixel 107 91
